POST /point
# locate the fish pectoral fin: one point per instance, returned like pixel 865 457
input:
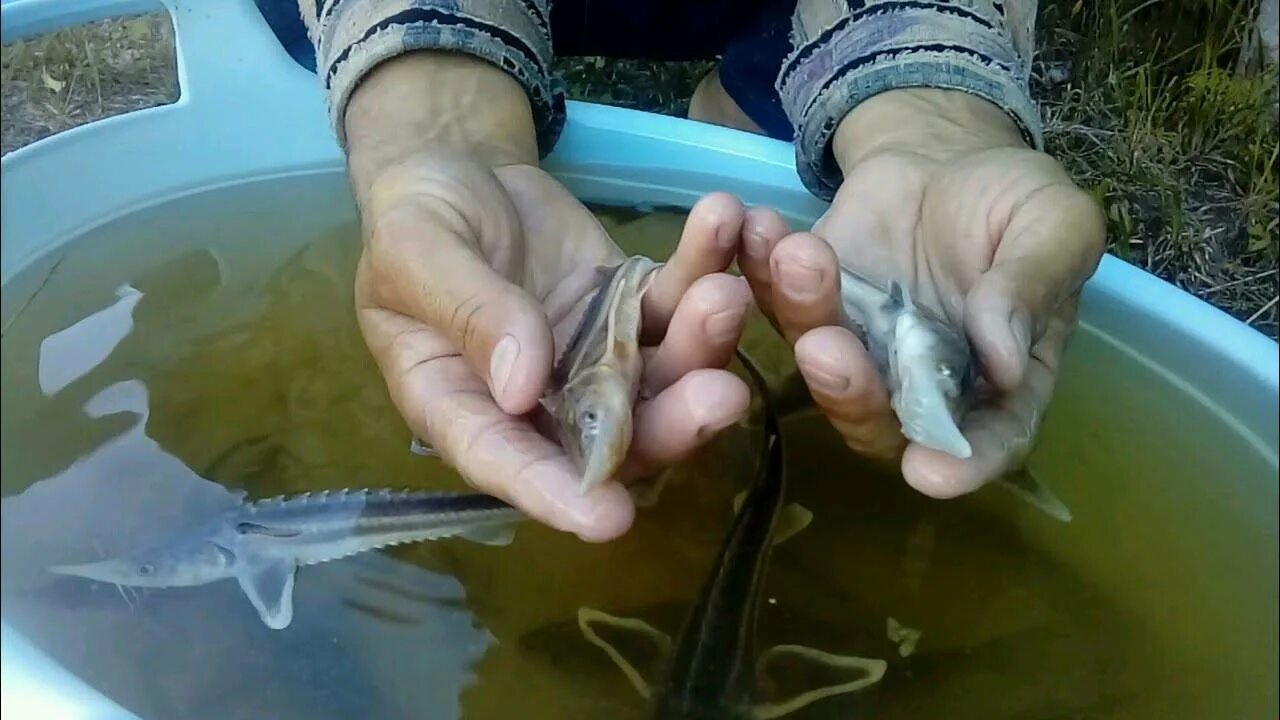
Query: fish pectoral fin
pixel 587 617
pixel 418 447
pixel 497 535
pixel 269 586
pixel 869 671
pixel 645 493
pixel 791 520
pixel 1026 486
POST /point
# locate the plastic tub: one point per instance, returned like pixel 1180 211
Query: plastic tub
pixel 248 115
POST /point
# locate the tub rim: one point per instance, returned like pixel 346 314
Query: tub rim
pixel 196 144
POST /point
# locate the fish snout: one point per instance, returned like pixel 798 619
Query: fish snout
pixel 928 418
pixel 605 451
pixel 100 571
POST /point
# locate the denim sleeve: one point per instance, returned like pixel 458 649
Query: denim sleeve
pixel 353 36
pixel 845 51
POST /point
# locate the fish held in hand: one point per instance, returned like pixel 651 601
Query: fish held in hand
pixel 924 361
pixel 596 381
pixel 929 370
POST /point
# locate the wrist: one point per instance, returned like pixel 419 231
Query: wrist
pixel 429 101
pixel 934 122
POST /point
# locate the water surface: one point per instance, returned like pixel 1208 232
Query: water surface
pixel 169 363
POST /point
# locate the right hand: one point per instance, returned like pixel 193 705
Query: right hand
pixel 476 268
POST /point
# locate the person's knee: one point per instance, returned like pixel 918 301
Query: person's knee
pixel 711 103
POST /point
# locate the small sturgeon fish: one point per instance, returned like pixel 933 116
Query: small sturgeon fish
pixel 930 372
pixel 712 671
pixel 262 543
pixel 596 381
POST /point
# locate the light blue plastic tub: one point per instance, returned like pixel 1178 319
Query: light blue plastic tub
pixel 248 113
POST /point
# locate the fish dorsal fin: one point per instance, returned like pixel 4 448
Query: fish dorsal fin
pixel 790 521
pixel 899 296
pixel 268 583
pixel 497 535
pixel 589 617
pixel 869 671
pixel 1026 486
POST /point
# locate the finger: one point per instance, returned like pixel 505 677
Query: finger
pixel 707 245
pixel 762 228
pixel 806 284
pixel 450 408
pixel 1050 248
pixel 846 386
pixel 424 268
pixel 1002 432
pixel 685 416
pixel 703 332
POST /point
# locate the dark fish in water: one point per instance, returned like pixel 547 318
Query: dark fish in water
pixel 713 665
pixel 262 543
pixel 930 373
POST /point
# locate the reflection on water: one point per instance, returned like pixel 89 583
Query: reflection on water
pixel 142 390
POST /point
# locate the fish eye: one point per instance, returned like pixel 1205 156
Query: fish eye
pixel 587 420
pixel 945 371
pixel 146 569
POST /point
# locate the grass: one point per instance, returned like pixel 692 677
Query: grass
pixel 1143 101
pixel 1145 105
pixel 58 81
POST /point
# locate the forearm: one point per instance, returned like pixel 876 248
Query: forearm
pixel 403 74
pixel 436 101
pixel 846 59
pixel 937 123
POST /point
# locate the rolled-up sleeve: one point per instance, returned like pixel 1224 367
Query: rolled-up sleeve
pixel 845 51
pixel 353 36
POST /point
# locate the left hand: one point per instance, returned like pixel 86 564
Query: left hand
pixel 941 194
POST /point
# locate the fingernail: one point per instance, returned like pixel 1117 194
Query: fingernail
pixel 1019 326
pixel 757 245
pixel 799 280
pixel 501 363
pixel 727 236
pixel 708 428
pixel 724 324
pixel 825 381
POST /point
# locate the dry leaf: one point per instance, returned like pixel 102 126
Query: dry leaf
pixel 138 29
pixel 50 82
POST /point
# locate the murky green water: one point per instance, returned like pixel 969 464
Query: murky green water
pixel 190 341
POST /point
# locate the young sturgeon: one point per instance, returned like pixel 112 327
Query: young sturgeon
pixel 712 671
pixel 596 381
pixel 929 370
pixel 262 543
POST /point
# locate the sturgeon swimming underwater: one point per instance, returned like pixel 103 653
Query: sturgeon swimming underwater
pixel 262 543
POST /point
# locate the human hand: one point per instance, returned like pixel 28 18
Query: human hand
pixel 476 268
pixel 940 194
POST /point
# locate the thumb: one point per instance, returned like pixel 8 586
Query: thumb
pixel 1051 246
pixel 427 268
